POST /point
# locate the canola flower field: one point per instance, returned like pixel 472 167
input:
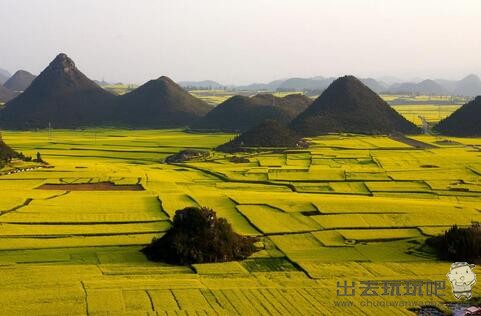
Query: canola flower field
pixel 349 208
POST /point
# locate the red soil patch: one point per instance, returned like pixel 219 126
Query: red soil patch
pixel 99 186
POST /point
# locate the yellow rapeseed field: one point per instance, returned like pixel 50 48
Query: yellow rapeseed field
pixel 350 208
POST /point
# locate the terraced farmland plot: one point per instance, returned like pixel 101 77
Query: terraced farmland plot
pixel 349 207
pixel 89 207
pixel 269 220
pixel 224 208
pixel 314 173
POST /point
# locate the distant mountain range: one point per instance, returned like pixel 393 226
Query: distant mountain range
pixel 4 75
pixel 206 84
pixel 6 94
pixel 346 106
pixel 469 86
pixel 63 97
pixel 20 81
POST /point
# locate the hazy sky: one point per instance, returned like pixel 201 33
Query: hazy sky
pixel 241 41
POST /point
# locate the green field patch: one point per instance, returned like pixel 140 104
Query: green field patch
pixel 22 256
pixel 384 142
pixel 298 160
pixel 308 187
pixel 430 174
pixel 430 269
pixel 18 243
pixel 288 202
pixel 94 186
pixel 386 269
pixel 394 186
pixel 126 181
pixel 360 204
pixel 343 141
pixel 367 176
pixel 292 242
pixel 9 202
pixel 349 187
pixel 239 187
pixel 433 230
pixel 134 202
pixel 267 250
pixel 26 230
pixel 163 300
pixel 270 220
pixel 172 202
pixel 66 218
pixel 330 238
pixel 78 255
pixel 305 247
pixel 136 269
pixel 233 267
pixel 332 187
pixel 122 255
pixel 237 283
pixel 354 220
pixel 408 195
pixel 63 299
pixel 136 301
pixel 268 265
pixel 140 282
pixel 326 254
pixel 271 160
pixel 399 251
pixel 226 208
pixel 324 270
pixel 378 234
pixel 338 221
pixel 325 161
pixel 21 185
pixel 313 174
pixel 90 207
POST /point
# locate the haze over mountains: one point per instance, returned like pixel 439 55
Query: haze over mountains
pixel 63 97
pixel 468 86
pixel 205 84
pixel 4 75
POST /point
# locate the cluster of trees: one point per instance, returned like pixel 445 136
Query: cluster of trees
pixel 7 154
pixel 458 244
pixel 198 236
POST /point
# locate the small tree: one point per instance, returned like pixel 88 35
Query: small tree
pixel 198 236
pixel 39 157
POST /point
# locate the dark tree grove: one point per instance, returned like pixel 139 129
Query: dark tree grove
pixel 458 244
pixel 198 236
